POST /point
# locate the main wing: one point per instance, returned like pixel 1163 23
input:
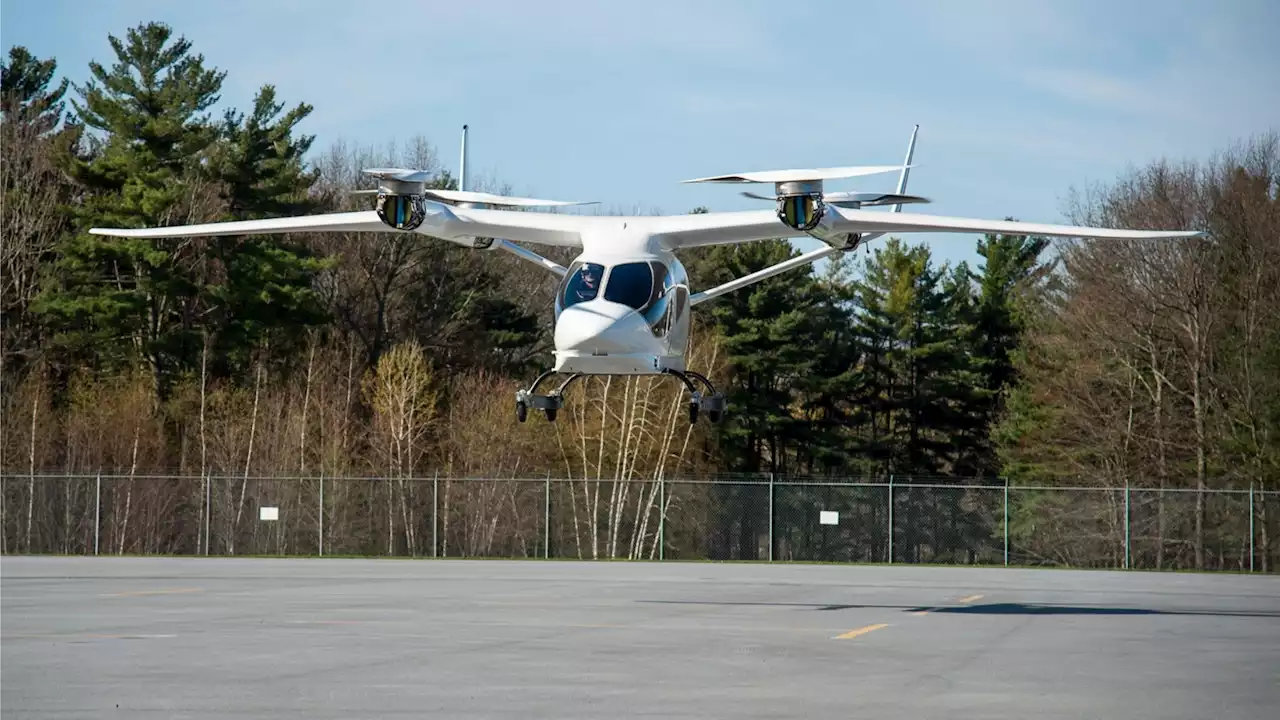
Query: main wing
pixel 365 221
pixel 683 231
pixel 869 221
pixel 443 221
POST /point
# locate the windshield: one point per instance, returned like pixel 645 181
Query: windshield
pixel 583 284
pixel 630 284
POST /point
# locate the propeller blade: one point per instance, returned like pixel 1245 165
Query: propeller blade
pixel 799 175
pixel 855 198
pixel 460 196
pixel 871 198
pixel 471 196
pixel 400 174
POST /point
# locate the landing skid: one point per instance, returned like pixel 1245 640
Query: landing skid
pixel 713 403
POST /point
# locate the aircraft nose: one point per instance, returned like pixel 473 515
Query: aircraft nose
pixel 601 327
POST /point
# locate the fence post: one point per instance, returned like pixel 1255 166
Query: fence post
pixel 1251 540
pixel 662 516
pixel 321 534
pixel 771 480
pixel 890 518
pixel 1126 523
pixel 546 520
pixel 435 514
pixel 1006 522
pixel 208 513
pixel 97 512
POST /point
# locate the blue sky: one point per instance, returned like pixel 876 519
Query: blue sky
pixel 1018 101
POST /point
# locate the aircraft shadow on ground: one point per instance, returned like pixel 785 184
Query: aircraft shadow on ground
pixel 990 608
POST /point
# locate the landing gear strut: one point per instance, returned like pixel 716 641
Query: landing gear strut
pixel 549 403
pixel 712 403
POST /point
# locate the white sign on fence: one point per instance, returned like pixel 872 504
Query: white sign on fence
pixel 829 517
pixel 268 512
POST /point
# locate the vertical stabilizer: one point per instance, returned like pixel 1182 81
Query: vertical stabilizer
pixel 462 163
pixel 906 167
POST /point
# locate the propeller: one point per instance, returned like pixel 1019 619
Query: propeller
pixel 395 180
pixel 809 181
pixel 471 196
pixel 855 199
pixel 804 175
pixel 400 175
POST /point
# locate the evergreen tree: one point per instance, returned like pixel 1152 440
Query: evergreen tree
pixel 769 335
pixel 827 390
pixel 122 301
pixel 1011 273
pixel 266 292
pixel 158 159
pixel 917 380
pixel 785 339
pixel 261 162
pixel 920 390
pixel 971 398
pixel 25 92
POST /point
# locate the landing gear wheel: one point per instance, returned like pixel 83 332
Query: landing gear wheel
pixel 549 403
pixel 693 413
pixel 715 416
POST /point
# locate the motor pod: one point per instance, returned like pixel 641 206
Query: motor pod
pixel 400 211
pixel 800 205
pixel 400 200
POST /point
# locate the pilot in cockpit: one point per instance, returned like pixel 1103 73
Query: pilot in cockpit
pixel 588 284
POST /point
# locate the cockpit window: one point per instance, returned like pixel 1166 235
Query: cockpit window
pixel 630 284
pixel 583 283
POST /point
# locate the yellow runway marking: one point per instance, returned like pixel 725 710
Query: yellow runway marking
pixel 140 593
pixel 971 598
pixel 860 631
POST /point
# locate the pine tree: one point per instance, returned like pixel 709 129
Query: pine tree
pixel 25 92
pixel 921 392
pixel 917 382
pixel 265 292
pixel 768 335
pixel 829 383
pixel 770 332
pixel 1011 274
pixel 261 162
pixel 124 301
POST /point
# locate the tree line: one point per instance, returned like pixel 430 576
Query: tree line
pixel 388 356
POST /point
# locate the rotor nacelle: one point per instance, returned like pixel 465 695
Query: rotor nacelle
pixel 400 196
pixel 403 195
pixel 801 202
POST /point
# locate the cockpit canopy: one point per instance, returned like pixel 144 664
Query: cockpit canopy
pixel 635 284
pixel 657 292
pixel 582 283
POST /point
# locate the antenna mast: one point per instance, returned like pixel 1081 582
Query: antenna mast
pixel 462 164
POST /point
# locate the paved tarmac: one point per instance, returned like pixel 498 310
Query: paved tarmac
pixel 343 638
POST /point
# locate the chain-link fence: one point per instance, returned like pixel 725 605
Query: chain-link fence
pixel 756 518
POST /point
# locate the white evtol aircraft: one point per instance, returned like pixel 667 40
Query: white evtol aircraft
pixel 623 305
